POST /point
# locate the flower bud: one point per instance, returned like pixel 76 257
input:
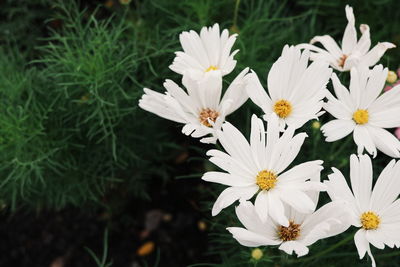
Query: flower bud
pixel 256 254
pixel 392 77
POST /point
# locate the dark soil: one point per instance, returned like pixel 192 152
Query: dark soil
pixel 58 239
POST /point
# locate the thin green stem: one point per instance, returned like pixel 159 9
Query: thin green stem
pixel 340 149
pixel 235 13
pixel 388 254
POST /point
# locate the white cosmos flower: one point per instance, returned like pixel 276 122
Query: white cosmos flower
pixel 352 53
pixel 365 112
pixel 209 52
pixel 376 212
pixel 259 168
pixel 303 230
pixel 295 90
pixel 201 108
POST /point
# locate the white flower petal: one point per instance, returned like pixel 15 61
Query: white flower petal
pixel 257 93
pixel 299 200
pixel 300 173
pixel 250 239
pixel 373 89
pixel 210 89
pixel 200 52
pixel 261 205
pixel 257 142
pixel 364 43
pixel 248 216
pixel 236 145
pixel 385 141
pixel 230 164
pixel 388 100
pixel 355 88
pixel 337 129
pixel 361 242
pixel 387 187
pixel 290 152
pixel 329 220
pixel 329 43
pixel 375 238
pixel 297 247
pixel 361 179
pixel 375 54
pixel 338 190
pixel 349 40
pixel 363 138
pixel 237 92
pixel 230 195
pixel 226 179
pixel 276 210
pixel 154 102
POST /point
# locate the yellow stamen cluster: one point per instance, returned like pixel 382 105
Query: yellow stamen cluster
pixel 289 233
pixel 361 116
pixel 208 114
pixel 342 61
pixel 211 68
pixel 370 220
pixel 266 180
pixel 282 108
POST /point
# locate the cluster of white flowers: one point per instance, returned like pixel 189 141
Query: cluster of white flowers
pixel 285 204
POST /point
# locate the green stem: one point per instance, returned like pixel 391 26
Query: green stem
pixel 388 254
pixel 343 146
pixel 235 13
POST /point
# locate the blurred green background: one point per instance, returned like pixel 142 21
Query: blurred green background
pixel 77 154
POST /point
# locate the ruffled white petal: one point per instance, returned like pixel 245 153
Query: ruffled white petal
pixel 362 245
pixel 338 190
pixel 293 246
pixel 385 141
pixel 250 239
pixel 337 129
pixel 156 103
pixel 248 216
pixel 261 205
pixel 329 43
pixel 257 93
pixel 226 179
pixel 349 40
pixel 363 139
pixel 329 220
pixel 236 92
pixel 353 53
pixel 387 187
pixel 375 54
pixel 200 52
pixel 361 180
pixel 230 195
pixel 237 146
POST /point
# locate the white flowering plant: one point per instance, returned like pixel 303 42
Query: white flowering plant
pixel 283 204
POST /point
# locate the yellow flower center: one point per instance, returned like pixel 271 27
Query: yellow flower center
pixel 211 68
pixel 361 116
pixel 208 114
pixel 266 180
pixel 283 108
pixel 289 233
pixel 370 220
